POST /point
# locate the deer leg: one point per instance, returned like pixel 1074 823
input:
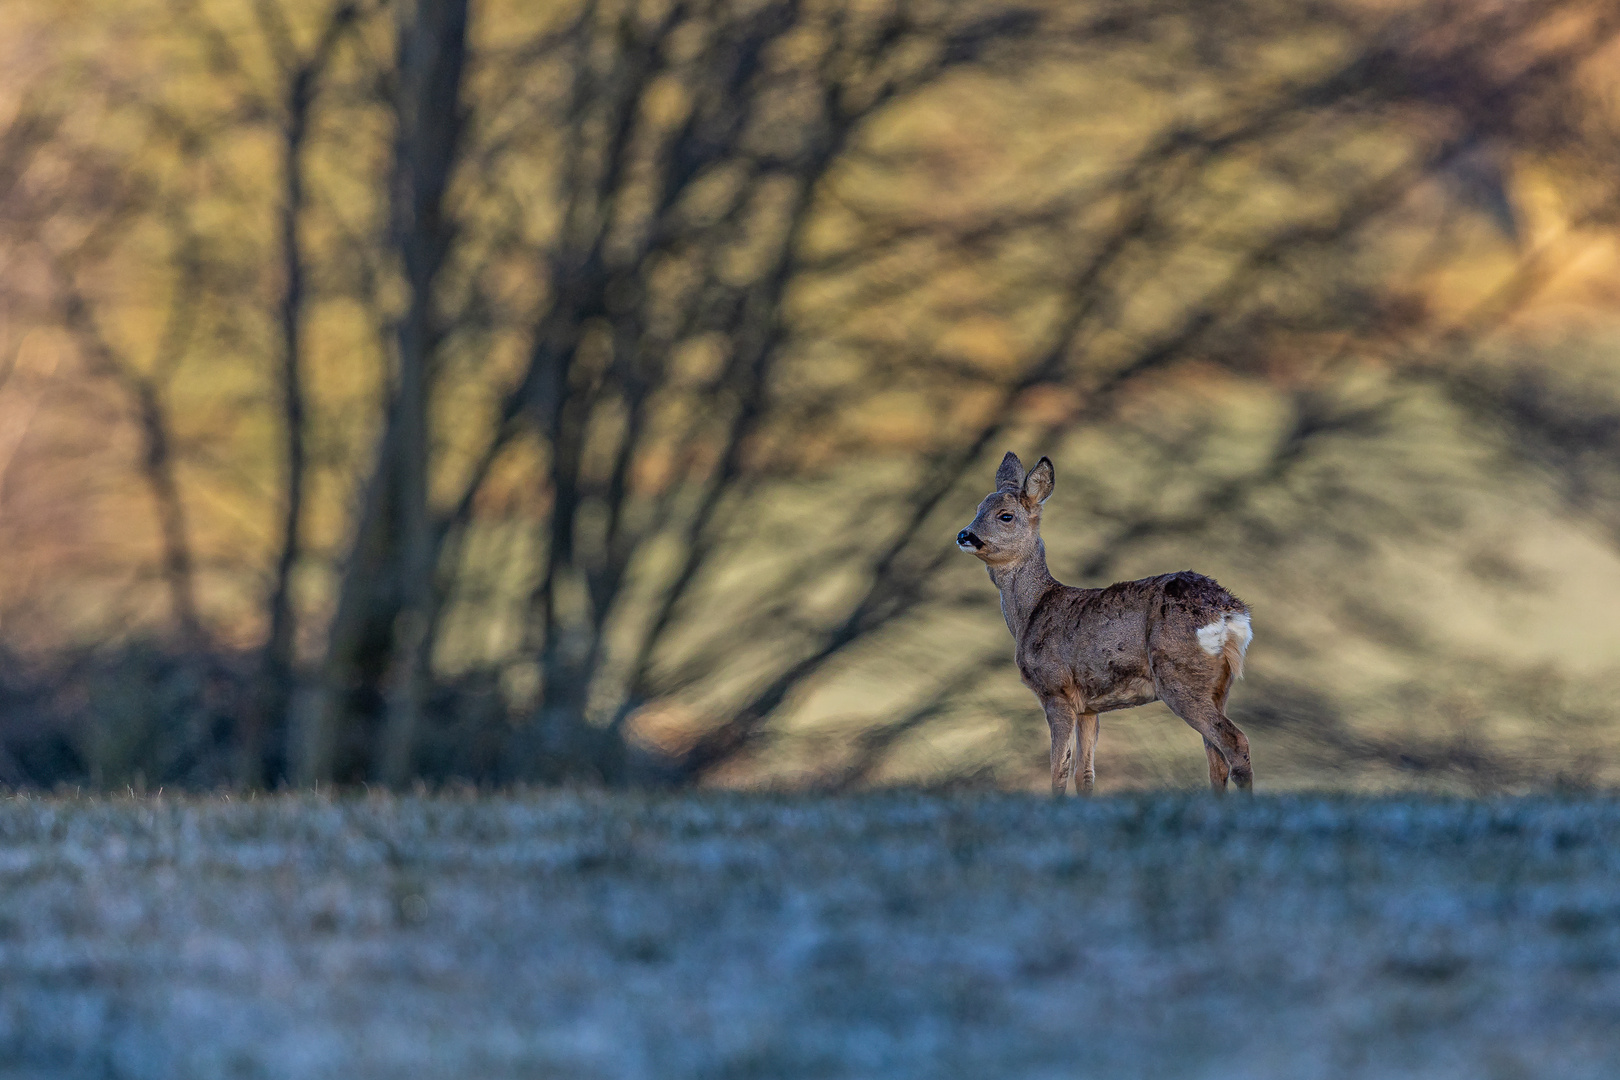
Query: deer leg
pixel 1223 738
pixel 1242 769
pixel 1217 768
pixel 1060 719
pixel 1237 758
pixel 1223 689
pixel 1085 777
pixel 1192 697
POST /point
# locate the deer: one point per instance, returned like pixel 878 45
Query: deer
pixel 1178 638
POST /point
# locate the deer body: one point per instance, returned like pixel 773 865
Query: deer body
pixel 1179 638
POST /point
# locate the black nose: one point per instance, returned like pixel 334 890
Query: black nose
pixel 966 537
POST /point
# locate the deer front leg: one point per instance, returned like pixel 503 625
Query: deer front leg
pixel 1085 736
pixel 1060 719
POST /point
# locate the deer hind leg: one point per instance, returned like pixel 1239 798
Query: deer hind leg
pixel 1193 690
pixel 1218 771
pixel 1085 776
pixel 1060 719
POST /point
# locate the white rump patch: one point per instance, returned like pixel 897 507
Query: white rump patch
pixel 1233 626
pixel 1238 627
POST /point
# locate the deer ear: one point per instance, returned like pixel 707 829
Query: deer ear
pixel 1038 484
pixel 1011 473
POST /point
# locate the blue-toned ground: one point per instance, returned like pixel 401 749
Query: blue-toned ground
pixel 580 935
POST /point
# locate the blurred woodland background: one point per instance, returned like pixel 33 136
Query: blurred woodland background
pixel 591 389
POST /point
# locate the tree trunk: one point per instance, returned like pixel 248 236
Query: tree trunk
pixel 269 711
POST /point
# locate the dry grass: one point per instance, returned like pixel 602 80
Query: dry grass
pixel 581 935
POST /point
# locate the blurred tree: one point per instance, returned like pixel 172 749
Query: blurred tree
pixel 299 74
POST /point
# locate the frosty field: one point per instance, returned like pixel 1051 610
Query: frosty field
pixel 894 935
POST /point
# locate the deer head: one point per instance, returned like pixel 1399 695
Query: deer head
pixel 1008 526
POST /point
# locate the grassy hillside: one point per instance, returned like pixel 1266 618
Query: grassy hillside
pixel 732 307
pixel 896 935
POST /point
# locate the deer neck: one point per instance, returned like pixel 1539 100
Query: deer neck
pixel 1021 585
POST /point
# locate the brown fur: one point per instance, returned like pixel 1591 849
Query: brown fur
pixel 1088 651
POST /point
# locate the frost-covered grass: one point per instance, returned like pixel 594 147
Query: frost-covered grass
pixel 894 935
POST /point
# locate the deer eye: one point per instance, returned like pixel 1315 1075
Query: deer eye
pixel 1006 517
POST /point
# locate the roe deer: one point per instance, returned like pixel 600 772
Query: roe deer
pixel 1178 638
